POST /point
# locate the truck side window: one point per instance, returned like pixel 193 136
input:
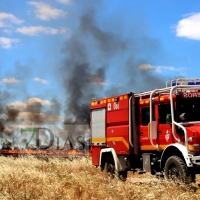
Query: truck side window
pixel 146 116
pixel 164 114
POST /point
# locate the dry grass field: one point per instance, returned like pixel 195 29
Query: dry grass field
pixel 32 178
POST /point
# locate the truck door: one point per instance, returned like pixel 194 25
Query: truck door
pixel 164 125
pixel 145 128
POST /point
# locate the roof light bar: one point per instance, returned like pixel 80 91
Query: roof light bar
pixel 183 81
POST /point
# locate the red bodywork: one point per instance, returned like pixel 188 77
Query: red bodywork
pixel 116 125
pixel 117 114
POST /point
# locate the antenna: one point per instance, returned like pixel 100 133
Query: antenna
pixel 187 66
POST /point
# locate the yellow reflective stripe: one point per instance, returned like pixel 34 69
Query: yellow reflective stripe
pixel 150 147
pixel 118 139
pixel 147 147
pixel 98 140
pixel 161 147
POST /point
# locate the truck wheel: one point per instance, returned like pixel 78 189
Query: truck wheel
pixel 109 169
pixel 122 175
pixel 177 171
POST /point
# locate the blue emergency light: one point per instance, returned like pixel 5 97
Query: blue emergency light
pixel 185 83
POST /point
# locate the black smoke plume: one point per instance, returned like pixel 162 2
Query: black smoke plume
pixel 86 78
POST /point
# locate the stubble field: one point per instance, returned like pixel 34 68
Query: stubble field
pixel 53 178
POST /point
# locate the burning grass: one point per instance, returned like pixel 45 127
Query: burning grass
pixel 32 178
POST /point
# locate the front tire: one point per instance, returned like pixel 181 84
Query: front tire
pixel 177 171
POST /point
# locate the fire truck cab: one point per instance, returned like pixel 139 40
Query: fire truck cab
pixel 156 131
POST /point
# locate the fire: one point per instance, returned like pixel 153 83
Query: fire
pixel 39 152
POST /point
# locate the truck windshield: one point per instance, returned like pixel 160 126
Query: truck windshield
pixel 188 109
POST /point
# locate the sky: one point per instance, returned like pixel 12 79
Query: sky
pixel 55 55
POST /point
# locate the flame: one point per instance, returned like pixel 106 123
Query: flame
pixel 39 152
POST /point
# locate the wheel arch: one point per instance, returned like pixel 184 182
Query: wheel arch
pixel 109 153
pixel 175 150
pixel 103 157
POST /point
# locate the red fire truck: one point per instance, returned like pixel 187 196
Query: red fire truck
pixel 156 131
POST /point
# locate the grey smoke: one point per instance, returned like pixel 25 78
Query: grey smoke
pixel 100 50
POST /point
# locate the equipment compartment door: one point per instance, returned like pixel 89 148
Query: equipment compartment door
pixel 98 126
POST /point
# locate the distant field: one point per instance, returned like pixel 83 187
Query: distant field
pixel 32 178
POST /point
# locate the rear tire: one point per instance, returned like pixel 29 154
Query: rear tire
pixel 122 175
pixel 109 169
pixel 177 171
